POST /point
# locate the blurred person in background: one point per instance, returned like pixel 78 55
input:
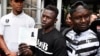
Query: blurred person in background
pixel 95 26
pixel 67 20
pixel 68 24
pixel 93 17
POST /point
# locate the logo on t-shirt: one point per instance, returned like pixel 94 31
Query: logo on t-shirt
pixel 7 23
pixel 7 20
pixel 42 45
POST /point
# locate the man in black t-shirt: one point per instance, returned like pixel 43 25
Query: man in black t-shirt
pixel 50 41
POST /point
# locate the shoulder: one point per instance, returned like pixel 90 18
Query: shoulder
pixel 3 18
pixel 6 16
pixel 89 31
pixel 59 39
pixel 27 16
pixel 58 35
pixel 65 31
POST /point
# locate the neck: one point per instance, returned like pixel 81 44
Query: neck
pixel 17 12
pixel 48 29
pixel 79 31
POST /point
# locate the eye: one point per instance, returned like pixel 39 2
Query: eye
pixel 43 16
pixel 77 18
pixel 49 17
pixel 86 16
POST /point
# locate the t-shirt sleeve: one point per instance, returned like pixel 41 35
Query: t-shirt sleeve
pixel 60 47
pixel 32 23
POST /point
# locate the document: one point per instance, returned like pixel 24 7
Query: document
pixel 28 36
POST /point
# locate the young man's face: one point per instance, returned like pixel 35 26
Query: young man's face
pixel 81 19
pixel 17 5
pixel 48 19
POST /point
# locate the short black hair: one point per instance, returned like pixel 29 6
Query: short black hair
pixel 76 4
pixel 52 8
pixel 22 44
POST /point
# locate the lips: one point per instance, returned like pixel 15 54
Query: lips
pixel 43 23
pixel 19 7
pixel 83 26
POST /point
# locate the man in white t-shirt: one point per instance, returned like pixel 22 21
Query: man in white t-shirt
pixel 10 25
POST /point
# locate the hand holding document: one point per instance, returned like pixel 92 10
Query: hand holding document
pixel 28 36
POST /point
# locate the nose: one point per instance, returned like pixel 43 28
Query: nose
pixel 44 18
pixel 20 3
pixel 83 19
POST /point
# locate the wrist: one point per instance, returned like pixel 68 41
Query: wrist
pixel 7 54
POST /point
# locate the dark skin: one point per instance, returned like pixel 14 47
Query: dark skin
pixel 48 19
pixel 80 19
pixel 24 50
pixel 17 6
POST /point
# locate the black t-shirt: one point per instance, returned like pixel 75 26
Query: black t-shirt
pixel 51 44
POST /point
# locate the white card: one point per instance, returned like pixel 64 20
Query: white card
pixel 28 35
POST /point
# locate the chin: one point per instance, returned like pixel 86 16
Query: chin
pixel 19 10
pixel 83 29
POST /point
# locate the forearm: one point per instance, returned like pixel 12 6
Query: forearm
pixel 3 45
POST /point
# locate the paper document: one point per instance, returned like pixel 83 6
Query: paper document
pixel 28 35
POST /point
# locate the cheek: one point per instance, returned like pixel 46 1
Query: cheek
pixel 49 21
pixel 13 5
pixel 76 22
pixel 88 21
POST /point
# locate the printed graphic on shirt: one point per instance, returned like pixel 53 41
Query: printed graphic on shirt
pixel 7 22
pixel 43 46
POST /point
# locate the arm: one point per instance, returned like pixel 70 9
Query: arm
pixel 3 45
pixel 2 41
pixel 60 47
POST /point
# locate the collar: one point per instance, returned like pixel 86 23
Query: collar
pixel 82 33
pixel 17 15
